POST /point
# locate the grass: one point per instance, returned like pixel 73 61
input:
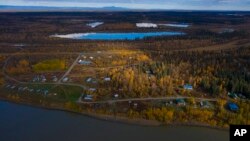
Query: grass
pixel 50 65
pixel 64 93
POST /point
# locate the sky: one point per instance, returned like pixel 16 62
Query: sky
pixel 139 4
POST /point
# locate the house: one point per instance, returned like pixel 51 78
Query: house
pixel 116 95
pixel 45 92
pixel 107 79
pixel 25 88
pixel 241 96
pixel 92 89
pixel 135 105
pixel 232 95
pixel 205 104
pixel 180 102
pixel 35 79
pixel 233 107
pixel 188 87
pixel 54 79
pixel 84 62
pixel 88 97
pixel 91 57
pixel 43 78
pixel 13 87
pixel 65 79
pixel 20 88
pixel 89 80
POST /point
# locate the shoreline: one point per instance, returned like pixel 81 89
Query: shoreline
pixel 118 119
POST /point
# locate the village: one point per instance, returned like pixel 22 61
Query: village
pixel 90 72
pixel 176 71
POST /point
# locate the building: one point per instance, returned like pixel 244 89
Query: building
pixel 84 62
pixel 54 79
pixel 65 79
pixel 232 95
pixel 188 87
pixel 89 80
pixel 233 107
pixel 107 79
pixel 92 89
pixel 88 97
pixel 116 95
pixel 180 102
pixel 205 104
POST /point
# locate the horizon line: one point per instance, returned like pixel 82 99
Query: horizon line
pixel 78 8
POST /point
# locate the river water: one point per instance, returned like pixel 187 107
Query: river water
pixel 24 123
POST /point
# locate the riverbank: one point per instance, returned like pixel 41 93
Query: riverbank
pixel 141 122
pixel 20 122
pixel 112 118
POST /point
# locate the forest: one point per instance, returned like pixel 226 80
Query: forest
pixel 212 58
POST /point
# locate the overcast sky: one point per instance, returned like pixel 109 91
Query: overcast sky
pixel 142 4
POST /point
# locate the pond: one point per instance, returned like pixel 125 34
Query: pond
pixel 116 36
pixel 180 25
pixel 24 123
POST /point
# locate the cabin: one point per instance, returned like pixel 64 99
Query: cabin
pixel 43 78
pixel 89 80
pixel 92 89
pixel 54 79
pixel 233 107
pixel 65 79
pixel 45 92
pixel 107 79
pixel 13 87
pixel 232 95
pixel 135 105
pixel 88 97
pixel 188 87
pixel 205 104
pixel 116 95
pixel 84 62
pixel 180 102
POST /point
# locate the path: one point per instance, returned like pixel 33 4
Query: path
pixel 146 99
pixel 70 68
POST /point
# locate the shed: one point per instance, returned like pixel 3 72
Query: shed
pixel 180 102
pixel 232 95
pixel 88 97
pixel 233 107
pixel 188 87
pixel 107 79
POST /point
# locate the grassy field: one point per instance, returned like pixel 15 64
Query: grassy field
pixel 50 65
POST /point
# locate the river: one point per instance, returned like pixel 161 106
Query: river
pixel 25 123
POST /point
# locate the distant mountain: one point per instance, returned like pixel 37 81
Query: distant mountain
pixel 8 8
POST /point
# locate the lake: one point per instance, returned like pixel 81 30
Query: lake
pixel 24 123
pixel 180 25
pixel 116 36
